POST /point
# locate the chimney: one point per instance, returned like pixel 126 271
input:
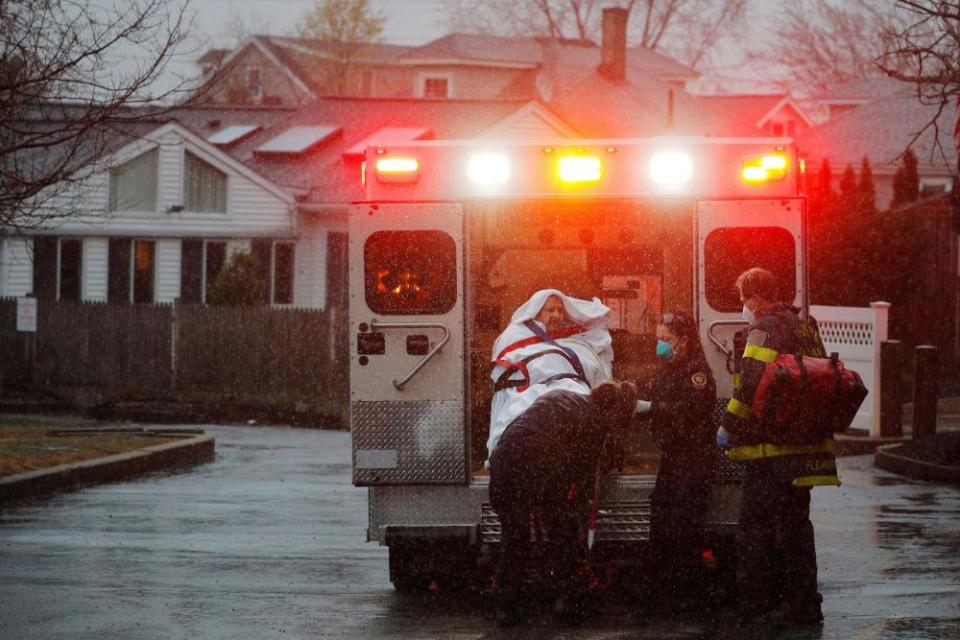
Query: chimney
pixel 613 51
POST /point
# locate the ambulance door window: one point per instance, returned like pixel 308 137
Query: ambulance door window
pixel 410 272
pixel 728 252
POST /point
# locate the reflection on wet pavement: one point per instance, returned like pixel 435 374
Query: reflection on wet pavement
pixel 268 542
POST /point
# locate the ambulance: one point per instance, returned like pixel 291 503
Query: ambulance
pixel 453 236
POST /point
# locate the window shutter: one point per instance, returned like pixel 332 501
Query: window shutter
pixel 118 271
pixel 191 271
pixel 45 268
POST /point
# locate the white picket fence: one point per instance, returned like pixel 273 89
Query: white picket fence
pixel 856 333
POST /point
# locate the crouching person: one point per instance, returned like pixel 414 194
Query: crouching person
pixel 546 462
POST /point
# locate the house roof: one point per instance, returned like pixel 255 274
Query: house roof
pixel 479 48
pixel 861 90
pixel 324 174
pixel 757 108
pixel 882 130
pixel 599 107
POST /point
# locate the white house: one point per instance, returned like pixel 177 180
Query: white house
pixel 170 207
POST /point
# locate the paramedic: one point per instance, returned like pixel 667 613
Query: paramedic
pixel 546 463
pixel 679 415
pixel 777 562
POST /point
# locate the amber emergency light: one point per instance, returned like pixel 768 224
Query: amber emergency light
pixel 579 169
pixel 764 168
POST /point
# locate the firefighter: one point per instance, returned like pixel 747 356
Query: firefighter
pixel 777 562
pixel 679 414
pixel 546 464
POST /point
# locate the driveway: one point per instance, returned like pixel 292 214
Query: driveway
pixel 267 542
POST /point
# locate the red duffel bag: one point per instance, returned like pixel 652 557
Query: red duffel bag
pixel 801 399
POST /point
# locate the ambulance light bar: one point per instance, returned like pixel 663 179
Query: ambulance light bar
pixel 397 169
pixel 764 168
pixel 671 169
pixel 489 169
pixel 579 169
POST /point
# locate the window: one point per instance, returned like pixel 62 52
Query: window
pixel 282 280
pixel 731 251
pixel 777 129
pixel 69 273
pixel 254 83
pixel 410 272
pixel 142 271
pixel 214 259
pixel 133 185
pixel 436 87
pixel 204 186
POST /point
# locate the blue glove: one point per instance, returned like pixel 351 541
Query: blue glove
pixel 724 439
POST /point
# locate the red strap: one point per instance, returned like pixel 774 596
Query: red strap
pixel 555 334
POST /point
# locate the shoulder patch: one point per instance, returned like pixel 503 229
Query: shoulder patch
pixel 757 337
pixel 699 380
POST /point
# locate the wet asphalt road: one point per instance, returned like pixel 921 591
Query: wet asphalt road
pixel 267 542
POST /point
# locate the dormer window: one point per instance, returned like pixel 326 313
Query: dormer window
pixel 133 184
pixel 204 186
pixel 436 87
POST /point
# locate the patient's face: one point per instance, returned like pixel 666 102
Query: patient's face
pixel 552 314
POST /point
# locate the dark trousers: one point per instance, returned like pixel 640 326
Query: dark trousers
pixel 678 509
pixel 522 484
pixel 777 559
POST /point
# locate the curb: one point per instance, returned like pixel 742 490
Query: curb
pixel 193 450
pixel 851 445
pixel 886 459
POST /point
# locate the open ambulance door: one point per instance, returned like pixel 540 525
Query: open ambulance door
pixel 407 409
pixel 733 236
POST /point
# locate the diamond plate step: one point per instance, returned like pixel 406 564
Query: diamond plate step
pixel 617 522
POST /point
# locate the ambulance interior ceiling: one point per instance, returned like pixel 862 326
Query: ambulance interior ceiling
pixel 635 256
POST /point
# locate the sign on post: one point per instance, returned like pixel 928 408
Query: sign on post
pixel 27 315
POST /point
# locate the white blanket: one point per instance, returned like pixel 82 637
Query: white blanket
pixel 592 346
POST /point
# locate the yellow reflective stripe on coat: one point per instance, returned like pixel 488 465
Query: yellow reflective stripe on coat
pixel 816 481
pixel 738 408
pixel 767 450
pixel 763 354
pixel 737 383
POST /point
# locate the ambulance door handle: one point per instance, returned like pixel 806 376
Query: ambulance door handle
pixel 400 384
pixel 727 351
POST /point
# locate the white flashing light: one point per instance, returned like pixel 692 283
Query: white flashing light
pixel 489 169
pixel 671 168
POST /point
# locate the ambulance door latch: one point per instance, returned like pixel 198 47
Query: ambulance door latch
pixel 379 326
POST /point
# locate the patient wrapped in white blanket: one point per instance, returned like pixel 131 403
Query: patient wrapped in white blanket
pixel 540 352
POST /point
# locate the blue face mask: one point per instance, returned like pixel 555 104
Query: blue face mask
pixel 664 350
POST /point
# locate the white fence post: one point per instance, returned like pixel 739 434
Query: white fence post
pixel 881 312
pixel 856 333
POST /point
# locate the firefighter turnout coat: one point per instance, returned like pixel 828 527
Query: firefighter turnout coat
pixel 808 464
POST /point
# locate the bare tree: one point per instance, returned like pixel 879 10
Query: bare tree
pixel 814 44
pixel 71 73
pixel 687 29
pixel 925 51
pixel 342 28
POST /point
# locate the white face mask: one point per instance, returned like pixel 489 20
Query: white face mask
pixel 748 315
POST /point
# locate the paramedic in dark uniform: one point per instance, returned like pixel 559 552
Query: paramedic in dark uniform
pixel 777 561
pixel 547 462
pixel 679 415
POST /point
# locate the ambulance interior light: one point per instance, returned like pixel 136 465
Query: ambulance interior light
pixel 671 169
pixel 579 169
pixel 489 169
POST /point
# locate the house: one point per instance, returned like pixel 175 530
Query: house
pixel 881 129
pixel 265 69
pixel 776 114
pixel 180 194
